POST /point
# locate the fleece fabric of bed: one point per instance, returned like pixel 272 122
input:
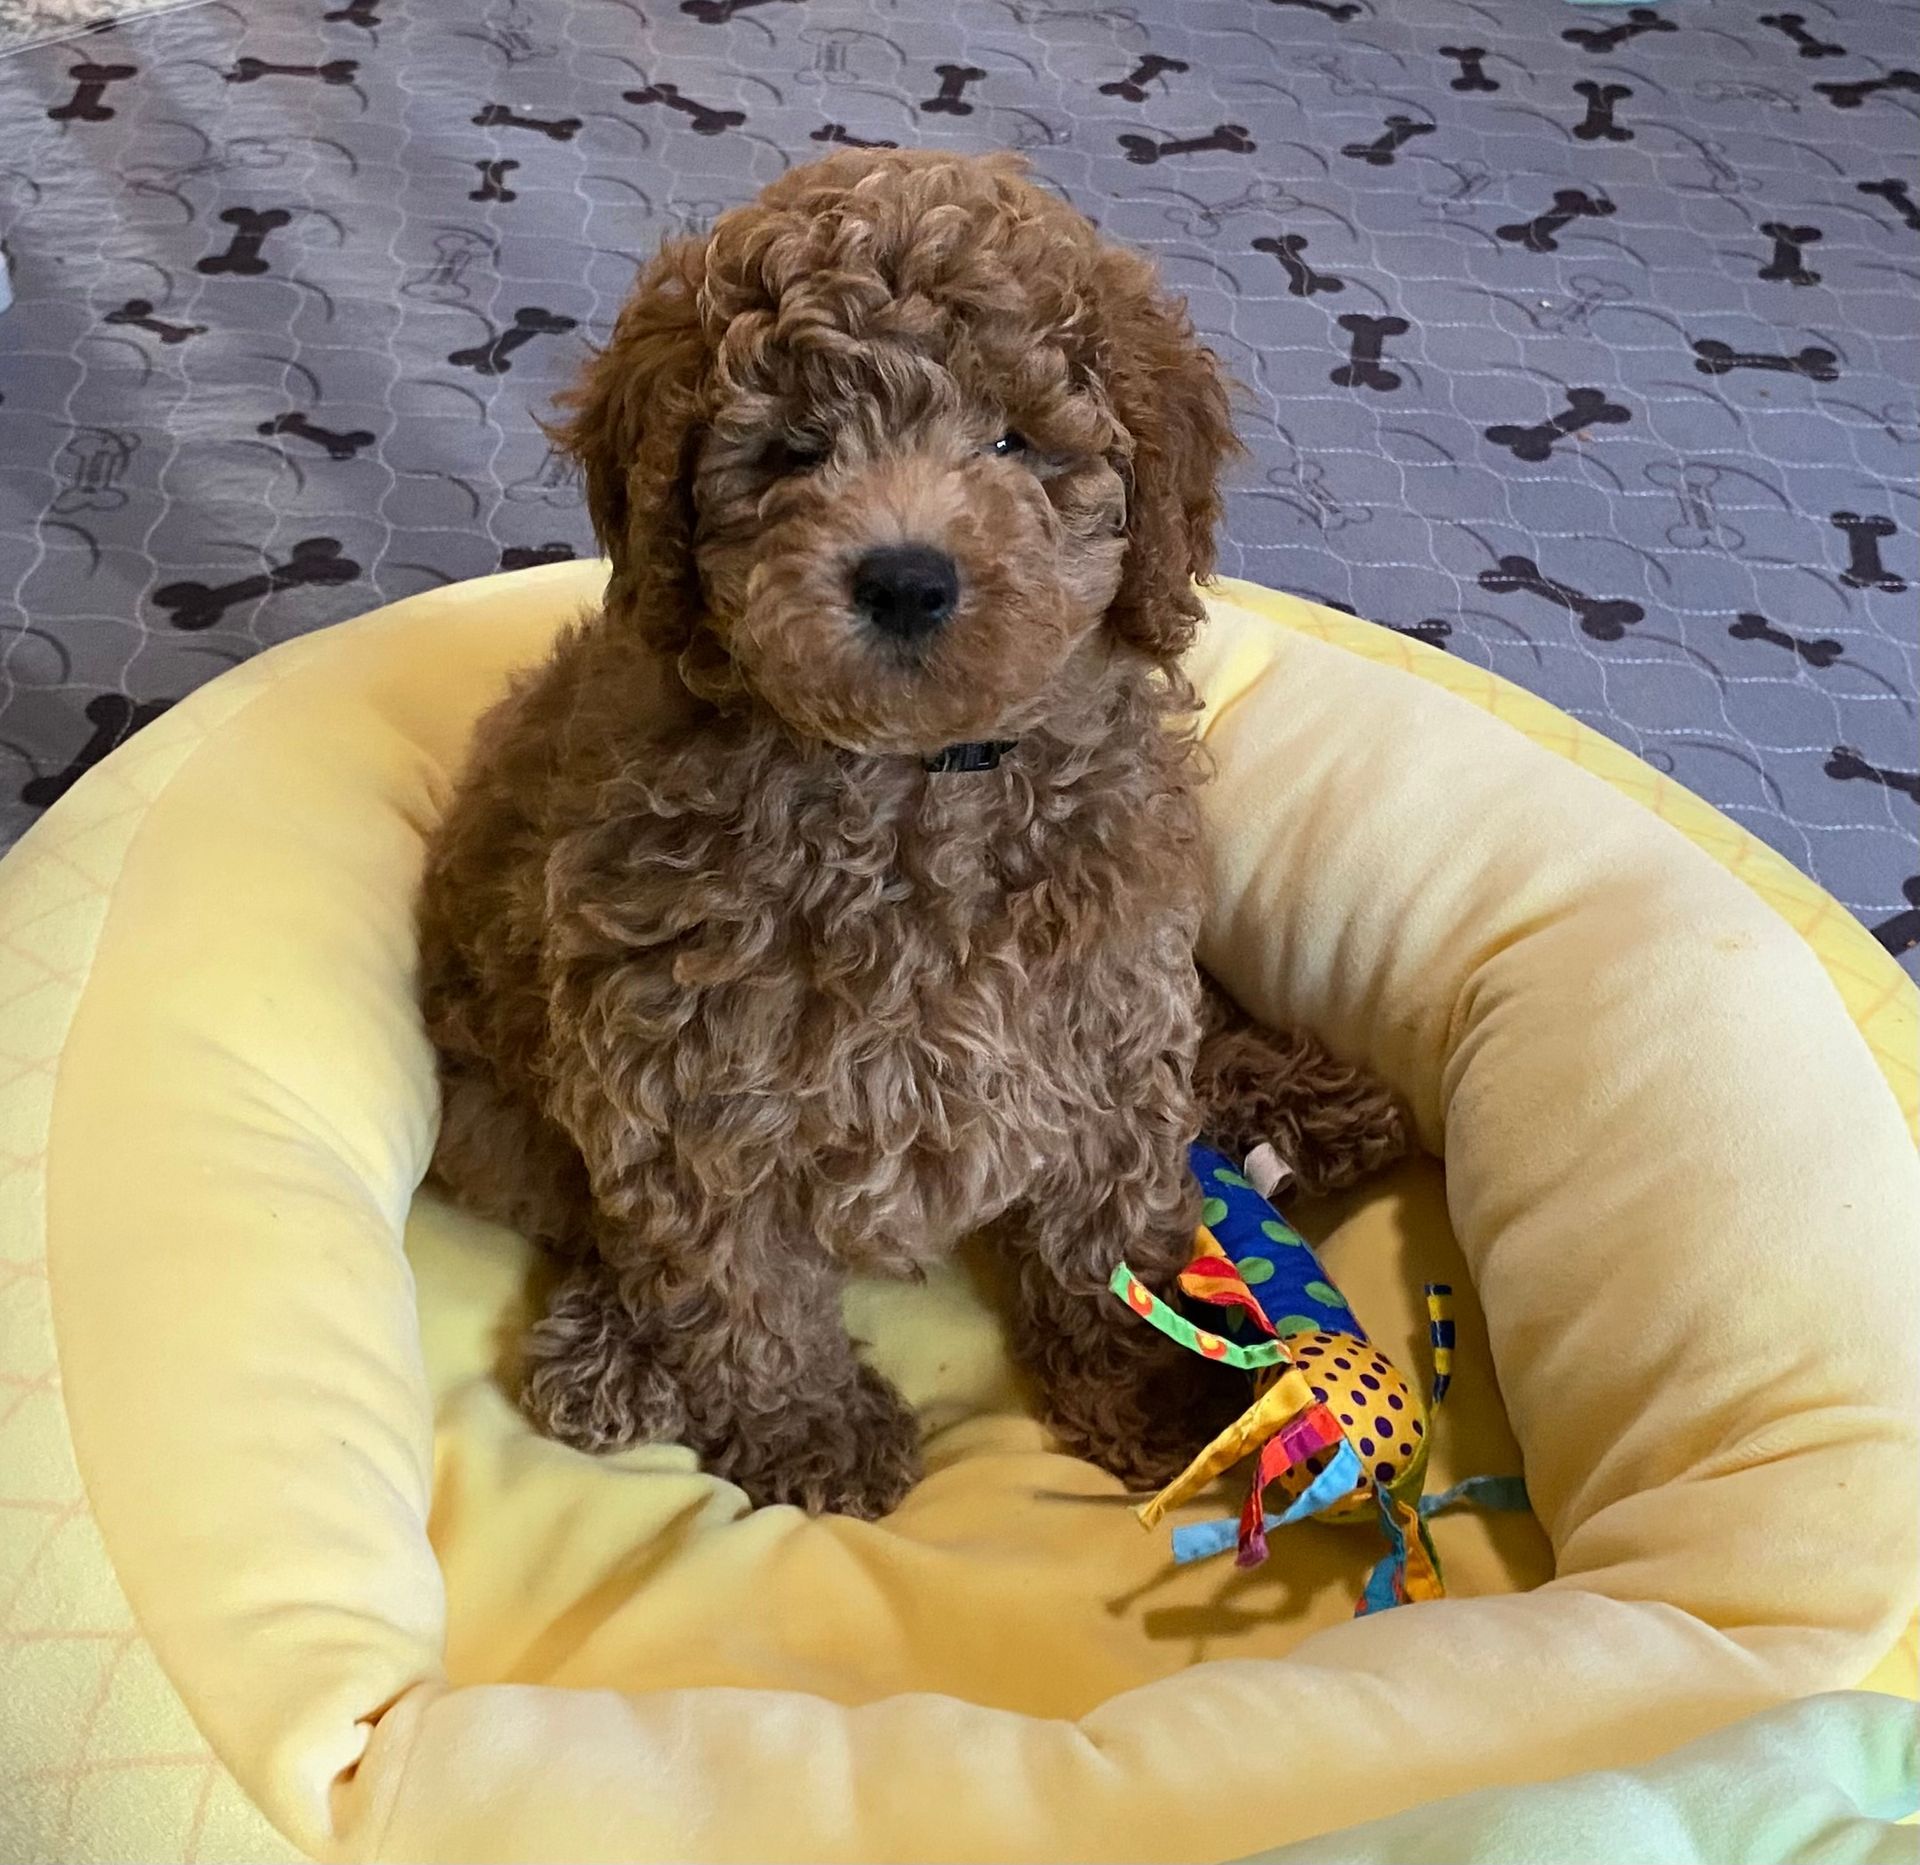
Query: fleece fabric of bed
pixel 277 1541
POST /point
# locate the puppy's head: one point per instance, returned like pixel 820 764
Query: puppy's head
pixel 896 446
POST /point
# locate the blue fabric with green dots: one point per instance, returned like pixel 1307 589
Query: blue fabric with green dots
pixel 1278 1265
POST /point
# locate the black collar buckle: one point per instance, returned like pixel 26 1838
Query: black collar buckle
pixel 979 755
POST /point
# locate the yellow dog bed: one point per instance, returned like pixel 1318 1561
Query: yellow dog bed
pixel 275 1543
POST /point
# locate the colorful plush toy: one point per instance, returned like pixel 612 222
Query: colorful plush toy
pixel 1333 1425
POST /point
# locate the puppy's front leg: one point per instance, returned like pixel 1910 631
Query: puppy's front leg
pixel 778 1401
pixel 1117 1393
pixel 711 1309
pixel 755 1372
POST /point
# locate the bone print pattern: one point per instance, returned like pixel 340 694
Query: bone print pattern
pixel 334 71
pixel 702 119
pixel 1580 345
pixel 336 445
pixel 1399 130
pixel 1855 92
pixel 1898 194
pixel 1807 44
pixel 1757 628
pixel 1472 75
pixel 91 84
pixel 1599 122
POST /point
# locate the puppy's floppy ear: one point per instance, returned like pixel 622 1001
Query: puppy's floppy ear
pixel 630 423
pixel 1171 396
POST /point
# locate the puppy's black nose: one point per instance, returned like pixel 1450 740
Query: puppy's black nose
pixel 906 590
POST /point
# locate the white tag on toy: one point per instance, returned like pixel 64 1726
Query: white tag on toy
pixel 1270 1175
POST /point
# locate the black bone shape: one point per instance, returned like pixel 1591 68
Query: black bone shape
pixel 839 133
pixel 338 446
pixel 1714 358
pixel 315 562
pixel 1585 408
pixel 363 13
pixel 1598 124
pixel 139 312
pixel 1897 195
pixel 114 718
pixel 1789 261
pixel 702 119
pixel 1302 280
pixel 334 71
pixel 1845 765
pixel 531 556
pixel 1794 25
pixel 1751 627
pixel 1380 152
pixel 1133 87
pixel 1604 618
pixel 1864 569
pixel 1569 205
pixel 1362 369
pixel 1232 137
pixel 1901 933
pixel 949 100
pixel 499 117
pixel 718 12
pixel 90 83
pixel 1612 38
pixel 250 231
pixel 493 180
pixel 1852 96
pixel 1433 631
pixel 492 357
pixel 1473 76
pixel 1341 10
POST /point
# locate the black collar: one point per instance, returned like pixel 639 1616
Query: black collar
pixel 980 755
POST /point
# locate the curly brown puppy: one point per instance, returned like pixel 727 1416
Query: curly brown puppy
pixel 832 893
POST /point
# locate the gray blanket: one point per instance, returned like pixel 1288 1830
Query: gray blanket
pixel 1580 342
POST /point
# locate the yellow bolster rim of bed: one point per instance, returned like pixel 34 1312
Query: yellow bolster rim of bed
pixel 1658 1062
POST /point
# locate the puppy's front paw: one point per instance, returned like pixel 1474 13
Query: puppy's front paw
pixel 858 1457
pixel 588 1377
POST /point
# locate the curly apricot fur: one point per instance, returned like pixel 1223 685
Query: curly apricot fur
pixel 733 998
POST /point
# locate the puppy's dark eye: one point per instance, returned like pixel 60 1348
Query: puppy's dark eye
pixel 1009 444
pixel 787 457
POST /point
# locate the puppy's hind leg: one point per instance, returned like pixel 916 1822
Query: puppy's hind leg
pixel 1332 1122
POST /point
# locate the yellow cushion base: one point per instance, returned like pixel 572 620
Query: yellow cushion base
pixel 1676 1175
